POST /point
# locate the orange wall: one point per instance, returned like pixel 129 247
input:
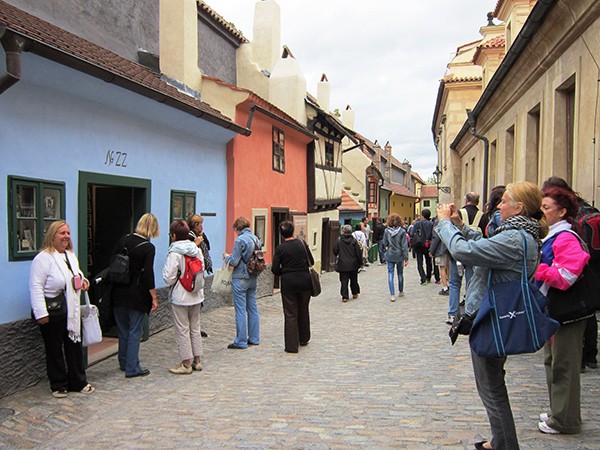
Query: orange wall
pixel 252 182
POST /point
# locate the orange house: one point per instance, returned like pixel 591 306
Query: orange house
pixel 267 173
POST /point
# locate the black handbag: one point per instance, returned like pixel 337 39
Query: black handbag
pixel 315 281
pixel 56 306
pixel 578 302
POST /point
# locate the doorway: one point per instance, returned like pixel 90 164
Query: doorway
pixel 279 215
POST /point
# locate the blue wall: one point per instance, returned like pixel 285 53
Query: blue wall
pixel 56 122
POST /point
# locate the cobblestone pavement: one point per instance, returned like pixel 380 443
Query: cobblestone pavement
pixel 375 375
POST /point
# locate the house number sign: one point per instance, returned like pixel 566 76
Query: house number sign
pixel 118 159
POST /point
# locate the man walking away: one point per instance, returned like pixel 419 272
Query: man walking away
pixel 420 241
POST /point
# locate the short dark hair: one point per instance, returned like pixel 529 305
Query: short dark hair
pixel 286 228
pixel 426 213
pixel 180 229
pixel 357 227
pixel 240 223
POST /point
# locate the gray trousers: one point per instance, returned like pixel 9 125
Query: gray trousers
pixel 563 362
pixel 489 377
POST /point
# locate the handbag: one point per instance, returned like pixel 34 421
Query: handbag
pixel 315 281
pixel 56 306
pixel 91 333
pixel 512 318
pixel 222 281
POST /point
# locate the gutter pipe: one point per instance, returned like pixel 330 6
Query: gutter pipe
pixel 472 121
pixel 12 46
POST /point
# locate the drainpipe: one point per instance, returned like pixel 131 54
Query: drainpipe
pixel 13 46
pixel 486 149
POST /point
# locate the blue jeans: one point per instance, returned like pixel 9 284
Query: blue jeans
pixel 400 269
pixel 129 324
pixel 454 285
pixel 247 326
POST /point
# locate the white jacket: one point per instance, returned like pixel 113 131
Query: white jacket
pixel 174 268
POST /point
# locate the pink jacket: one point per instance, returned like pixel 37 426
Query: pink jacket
pixel 568 263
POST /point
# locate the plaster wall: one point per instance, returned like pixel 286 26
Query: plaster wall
pixel 122 26
pixel 57 122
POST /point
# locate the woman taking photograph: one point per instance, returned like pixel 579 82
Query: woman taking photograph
pixel 55 275
pixel 131 302
pixel 185 305
pixel 244 284
pixel 563 260
pixel 395 244
pixel 291 262
pixel 502 254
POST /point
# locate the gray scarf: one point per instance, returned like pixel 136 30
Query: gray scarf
pixel 528 224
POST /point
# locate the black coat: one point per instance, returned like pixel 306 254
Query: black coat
pixel 348 252
pixel 136 295
pixel 291 262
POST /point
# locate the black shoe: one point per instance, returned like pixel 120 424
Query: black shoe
pixel 479 445
pixel 592 365
pixel 252 343
pixel 303 343
pixel 232 345
pixel 141 373
pixel 203 334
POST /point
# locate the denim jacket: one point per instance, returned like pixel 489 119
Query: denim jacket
pixel 242 250
pixel 503 253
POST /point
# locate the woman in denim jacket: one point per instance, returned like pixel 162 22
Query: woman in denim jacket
pixel 244 286
pixel 503 254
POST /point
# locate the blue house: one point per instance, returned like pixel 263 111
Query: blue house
pixel 96 139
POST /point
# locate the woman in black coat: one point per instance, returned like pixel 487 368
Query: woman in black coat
pixel 291 261
pixel 132 301
pixel 349 261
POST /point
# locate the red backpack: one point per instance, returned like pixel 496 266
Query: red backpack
pixel 193 270
pixel 587 227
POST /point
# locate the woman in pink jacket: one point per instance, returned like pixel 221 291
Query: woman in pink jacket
pixel 563 260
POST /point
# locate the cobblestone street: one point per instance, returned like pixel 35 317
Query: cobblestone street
pixel 375 375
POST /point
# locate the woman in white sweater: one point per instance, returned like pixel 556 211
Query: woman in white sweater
pixel 185 305
pixel 55 283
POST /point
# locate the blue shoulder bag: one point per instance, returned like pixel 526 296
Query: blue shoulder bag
pixel 512 318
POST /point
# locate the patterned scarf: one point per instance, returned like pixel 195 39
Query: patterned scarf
pixel 528 224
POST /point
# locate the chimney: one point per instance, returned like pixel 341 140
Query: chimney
pixel 179 42
pixel 323 93
pixel 408 177
pixel 266 41
pixel 348 117
pixel 288 86
pixel 387 150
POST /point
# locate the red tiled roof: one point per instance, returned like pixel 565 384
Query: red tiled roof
pixel 428 191
pixel 497 42
pixel 450 78
pixel 400 189
pixel 75 52
pixel 219 20
pixel 348 203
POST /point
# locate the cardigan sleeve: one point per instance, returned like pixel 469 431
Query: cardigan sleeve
pixel 569 260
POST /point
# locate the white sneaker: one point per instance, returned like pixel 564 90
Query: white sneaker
pixel 546 429
pixel 544 417
pixel 180 369
pixel 401 294
pixel 392 298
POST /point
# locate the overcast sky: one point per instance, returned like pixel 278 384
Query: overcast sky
pixel 384 58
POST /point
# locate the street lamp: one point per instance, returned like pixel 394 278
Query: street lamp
pixel 436 177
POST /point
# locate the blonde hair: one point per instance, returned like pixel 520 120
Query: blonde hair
pixel 48 242
pixel 147 226
pixel 529 196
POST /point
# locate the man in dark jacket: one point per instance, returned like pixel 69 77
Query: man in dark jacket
pixel 378 230
pixel 349 260
pixel 420 240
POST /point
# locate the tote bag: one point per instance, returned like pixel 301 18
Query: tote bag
pixel 222 281
pixel 91 333
pixel 512 318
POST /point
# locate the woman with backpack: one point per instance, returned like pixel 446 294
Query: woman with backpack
pixel 563 261
pixel 185 304
pixel 395 243
pixel 243 284
pixel 133 300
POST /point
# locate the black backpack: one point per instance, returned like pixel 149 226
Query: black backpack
pixel 118 270
pixel 417 240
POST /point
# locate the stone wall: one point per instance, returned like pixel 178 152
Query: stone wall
pixel 22 349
